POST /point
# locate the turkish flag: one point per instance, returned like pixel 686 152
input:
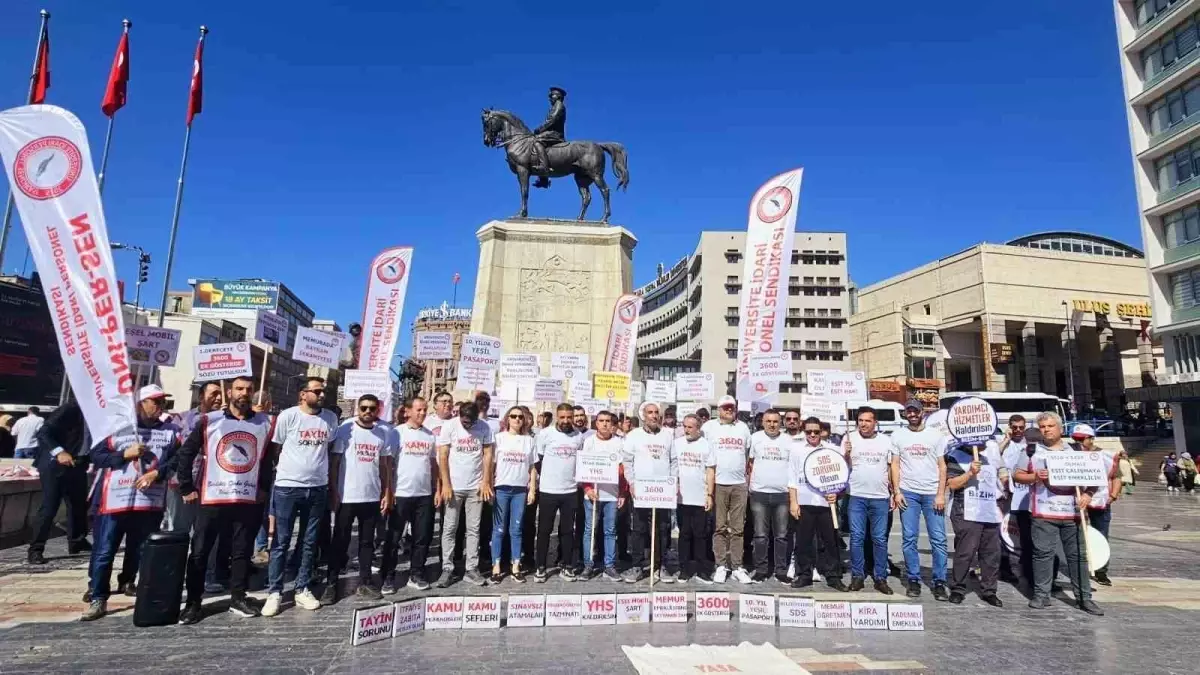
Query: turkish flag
pixel 118 79
pixel 41 72
pixel 196 97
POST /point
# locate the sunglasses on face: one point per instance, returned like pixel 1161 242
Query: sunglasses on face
pixel 317 392
pixel 367 408
pixel 812 432
pixel 516 417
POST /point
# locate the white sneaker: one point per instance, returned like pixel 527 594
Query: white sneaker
pixel 306 600
pixel 742 576
pixel 791 574
pixel 271 606
pixel 719 574
pixel 817 577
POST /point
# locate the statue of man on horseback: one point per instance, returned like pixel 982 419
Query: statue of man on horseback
pixel 545 153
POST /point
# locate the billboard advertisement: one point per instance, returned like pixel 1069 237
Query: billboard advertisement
pixel 31 369
pixel 234 297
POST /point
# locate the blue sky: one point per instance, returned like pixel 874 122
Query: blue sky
pixel 332 130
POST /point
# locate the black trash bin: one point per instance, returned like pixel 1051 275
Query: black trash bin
pixel 160 585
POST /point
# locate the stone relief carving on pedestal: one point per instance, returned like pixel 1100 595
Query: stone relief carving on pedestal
pixel 551 337
pixel 549 287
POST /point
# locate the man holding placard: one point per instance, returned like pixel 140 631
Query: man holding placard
pixel 812 503
pixel 557 449
pixel 1057 517
pixel 770 453
pixel 648 456
pixel 729 439
pixel 696 464
pixel 919 485
pixel 976 481
pixel 602 500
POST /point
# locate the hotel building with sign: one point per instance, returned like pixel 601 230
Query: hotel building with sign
pixel 1020 316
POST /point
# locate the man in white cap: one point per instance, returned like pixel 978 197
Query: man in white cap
pixel 1100 508
pixel 131 492
pixel 729 439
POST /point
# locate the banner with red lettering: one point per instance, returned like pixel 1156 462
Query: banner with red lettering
pixel 49 166
pixel 622 335
pixel 768 255
pixel 387 282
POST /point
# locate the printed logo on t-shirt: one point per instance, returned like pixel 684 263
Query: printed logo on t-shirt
pixel 236 452
pixel 563 450
pixel 418 448
pixel 917 450
pixel 311 438
pixel 769 453
pixel 691 460
pixel 467 444
pixel 656 450
pixel 366 452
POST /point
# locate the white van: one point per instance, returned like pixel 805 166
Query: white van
pixel 1008 403
pixel 888 415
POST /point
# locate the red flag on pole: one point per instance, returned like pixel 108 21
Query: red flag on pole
pixel 456 277
pixel 118 79
pixel 41 72
pixel 196 97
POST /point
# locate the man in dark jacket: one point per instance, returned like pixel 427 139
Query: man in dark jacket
pixel 62 459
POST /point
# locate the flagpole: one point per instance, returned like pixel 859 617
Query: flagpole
pixel 108 135
pixel 8 205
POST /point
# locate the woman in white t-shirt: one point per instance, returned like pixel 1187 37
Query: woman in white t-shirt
pixel 516 485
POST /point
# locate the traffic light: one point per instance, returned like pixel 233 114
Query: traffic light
pixel 143 268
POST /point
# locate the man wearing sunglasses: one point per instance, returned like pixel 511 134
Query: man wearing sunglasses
pixel 465 461
pixel 729 439
pixel 812 514
pixel 302 478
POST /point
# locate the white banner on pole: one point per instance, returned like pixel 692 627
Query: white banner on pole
pixel 660 391
pixel 838 385
pixel 547 390
pixel 150 346
pixel 271 329
pixel 386 286
pixel 695 386
pixel 622 335
pixel 51 181
pixel 320 348
pixel 568 365
pixel 222 361
pixel 520 366
pixel 770 367
pixel 377 383
pixel 434 345
pixel 768 252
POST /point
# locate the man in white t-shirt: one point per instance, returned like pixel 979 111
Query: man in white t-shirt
pixel 465 461
pixel 361 458
pixel 443 402
pixel 729 439
pixel 414 490
pixel 648 455
pixel 813 513
pixel 608 498
pixel 869 454
pixel 302 478
pixel 25 434
pixel 557 450
pixel 919 488
pixel 697 472
pixel 1018 567
pixel 770 452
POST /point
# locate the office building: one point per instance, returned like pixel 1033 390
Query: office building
pixel 439 374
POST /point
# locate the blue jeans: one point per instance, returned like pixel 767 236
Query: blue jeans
pixel 506 519
pixel 866 511
pixel 25 453
pixel 935 525
pixel 289 504
pixel 608 514
pixel 134 526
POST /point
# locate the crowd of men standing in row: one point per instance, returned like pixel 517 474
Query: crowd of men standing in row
pixel 227 473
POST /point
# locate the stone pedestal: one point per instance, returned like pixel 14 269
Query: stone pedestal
pixel 550 285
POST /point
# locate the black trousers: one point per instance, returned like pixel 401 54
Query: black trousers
pixel 973 539
pixel 818 521
pixel 563 506
pixel 641 537
pixel 416 512
pixel 241 522
pixel 693 521
pixel 61 483
pixel 1024 564
pixel 367 515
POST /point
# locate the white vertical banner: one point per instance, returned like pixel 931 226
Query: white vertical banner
pixel 53 184
pixel 768 256
pixel 622 335
pixel 387 282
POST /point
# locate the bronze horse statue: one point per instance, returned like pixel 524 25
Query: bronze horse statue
pixel 582 159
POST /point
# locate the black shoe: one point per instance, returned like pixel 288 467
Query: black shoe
pixel 1008 577
pixel 857 584
pixel 956 598
pixel 1039 602
pixel 129 588
pixel 241 606
pixel 802 581
pixel 783 579
pixel 939 592
pixel 837 585
pixel 1102 578
pixel 913 589
pixel 893 569
pixel 758 578
pixel 366 592
pixel 192 614
pixel 81 546
pixel 1091 608
pixel 540 575
pixel 446 579
pixel 330 595
pixel 882 587
pixel 993 600
pixel 36 558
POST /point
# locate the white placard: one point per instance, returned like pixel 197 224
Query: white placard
pixel 526 390
pixel 937 420
pixel 655 493
pixel 695 386
pixel 508 390
pixel 758 609
pixel 498 406
pixel 435 346
pixel 633 608
pixel 826 471
pixel 660 391
pixel 580 390
pixel 481 351
pixel 972 420
pixel 597 465
pixel 152 346
pixel 377 383
pixel 770 367
pixel 599 610
pixel 443 613
pixel 712 606
pixel 1071 469
pixel 526 611
pixel 637 392
pixel 824 409
pixel 272 329
pixel 520 366
pixel 669 607
pixel 547 390
pixel 318 347
pixel 832 614
pixel 410 617
pixel 563 610
pixel 223 361
pixel 569 366
pixel 473 377
pixel 482 612
pixel 869 615
pixel 838 385
pixel 797 612
pixel 372 624
pixel 906 617
pixel 592 406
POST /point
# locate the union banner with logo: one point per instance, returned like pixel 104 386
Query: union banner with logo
pixel 768 255
pixel 622 336
pixel 386 285
pixel 49 165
